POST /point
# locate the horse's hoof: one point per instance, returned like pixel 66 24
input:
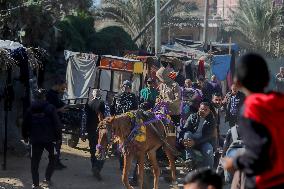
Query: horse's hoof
pixel 174 185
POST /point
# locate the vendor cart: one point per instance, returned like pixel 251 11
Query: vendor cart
pixel 113 70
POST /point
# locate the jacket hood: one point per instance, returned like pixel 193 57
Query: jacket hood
pixel 263 106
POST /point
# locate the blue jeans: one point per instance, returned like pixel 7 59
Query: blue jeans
pixel 206 150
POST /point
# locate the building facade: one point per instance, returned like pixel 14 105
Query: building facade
pixel 225 7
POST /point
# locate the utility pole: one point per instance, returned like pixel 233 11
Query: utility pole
pixel 170 2
pixel 223 9
pixel 205 31
pixel 157 27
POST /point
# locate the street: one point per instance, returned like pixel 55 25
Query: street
pixel 77 175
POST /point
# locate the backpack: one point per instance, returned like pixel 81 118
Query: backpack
pixel 237 146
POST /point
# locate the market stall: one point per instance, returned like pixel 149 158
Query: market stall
pixel 20 70
pixel 113 70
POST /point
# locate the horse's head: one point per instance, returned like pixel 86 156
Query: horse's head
pixel 104 137
pixel 119 126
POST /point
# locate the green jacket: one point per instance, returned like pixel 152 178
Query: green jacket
pixel 148 94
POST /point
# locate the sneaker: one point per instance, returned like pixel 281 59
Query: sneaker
pixel 47 183
pixel 97 174
pixel 59 166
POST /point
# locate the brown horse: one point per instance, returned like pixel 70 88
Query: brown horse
pixel 121 126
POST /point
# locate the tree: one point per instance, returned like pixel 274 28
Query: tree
pixel 113 40
pixel 77 33
pixel 258 23
pixel 132 16
pixel 36 27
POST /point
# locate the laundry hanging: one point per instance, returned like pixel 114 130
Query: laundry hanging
pixel 221 66
pixel 201 68
pixel 81 73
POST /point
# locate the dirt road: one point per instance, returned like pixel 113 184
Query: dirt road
pixel 76 176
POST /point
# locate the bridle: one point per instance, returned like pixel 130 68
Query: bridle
pixel 110 139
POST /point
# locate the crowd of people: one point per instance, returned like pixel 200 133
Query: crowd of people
pixel 199 110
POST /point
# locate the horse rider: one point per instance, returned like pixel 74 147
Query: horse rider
pixel 169 92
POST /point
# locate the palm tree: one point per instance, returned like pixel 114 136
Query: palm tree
pixel 132 15
pixel 257 21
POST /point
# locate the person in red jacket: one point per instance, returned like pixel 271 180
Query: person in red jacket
pixel 261 126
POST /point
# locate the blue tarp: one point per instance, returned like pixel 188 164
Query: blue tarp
pixel 221 66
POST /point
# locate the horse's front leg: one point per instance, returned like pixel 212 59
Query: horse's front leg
pixel 127 165
pixel 155 168
pixel 141 160
pixel 171 159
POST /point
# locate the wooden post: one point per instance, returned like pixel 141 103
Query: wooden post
pixel 230 46
pixel 205 29
pixel 157 27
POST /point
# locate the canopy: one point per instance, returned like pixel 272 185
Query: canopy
pixel 121 64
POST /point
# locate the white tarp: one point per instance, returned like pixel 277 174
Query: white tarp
pixel 7 44
pixel 80 74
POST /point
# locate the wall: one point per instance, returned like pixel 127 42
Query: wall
pixel 14 116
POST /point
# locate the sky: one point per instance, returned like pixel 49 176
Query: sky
pixel 97 2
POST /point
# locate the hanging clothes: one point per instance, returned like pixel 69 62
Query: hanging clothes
pixel 221 66
pixel 201 68
pixel 22 59
pixel 230 80
pixel 233 65
pixel 81 73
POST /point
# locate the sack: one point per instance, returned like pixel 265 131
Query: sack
pixel 237 145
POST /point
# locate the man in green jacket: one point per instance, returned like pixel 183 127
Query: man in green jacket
pixel 149 94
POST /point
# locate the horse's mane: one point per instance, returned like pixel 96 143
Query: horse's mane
pixel 121 125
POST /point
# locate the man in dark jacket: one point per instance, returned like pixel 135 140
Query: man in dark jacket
pixel 206 88
pixel 200 134
pixel 261 127
pixel 41 127
pixel 95 114
pixel 54 96
pixel 234 101
pixel 216 86
pixel 217 110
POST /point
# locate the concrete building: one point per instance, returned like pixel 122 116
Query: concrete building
pixel 225 7
pixel 195 31
pixel 278 3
